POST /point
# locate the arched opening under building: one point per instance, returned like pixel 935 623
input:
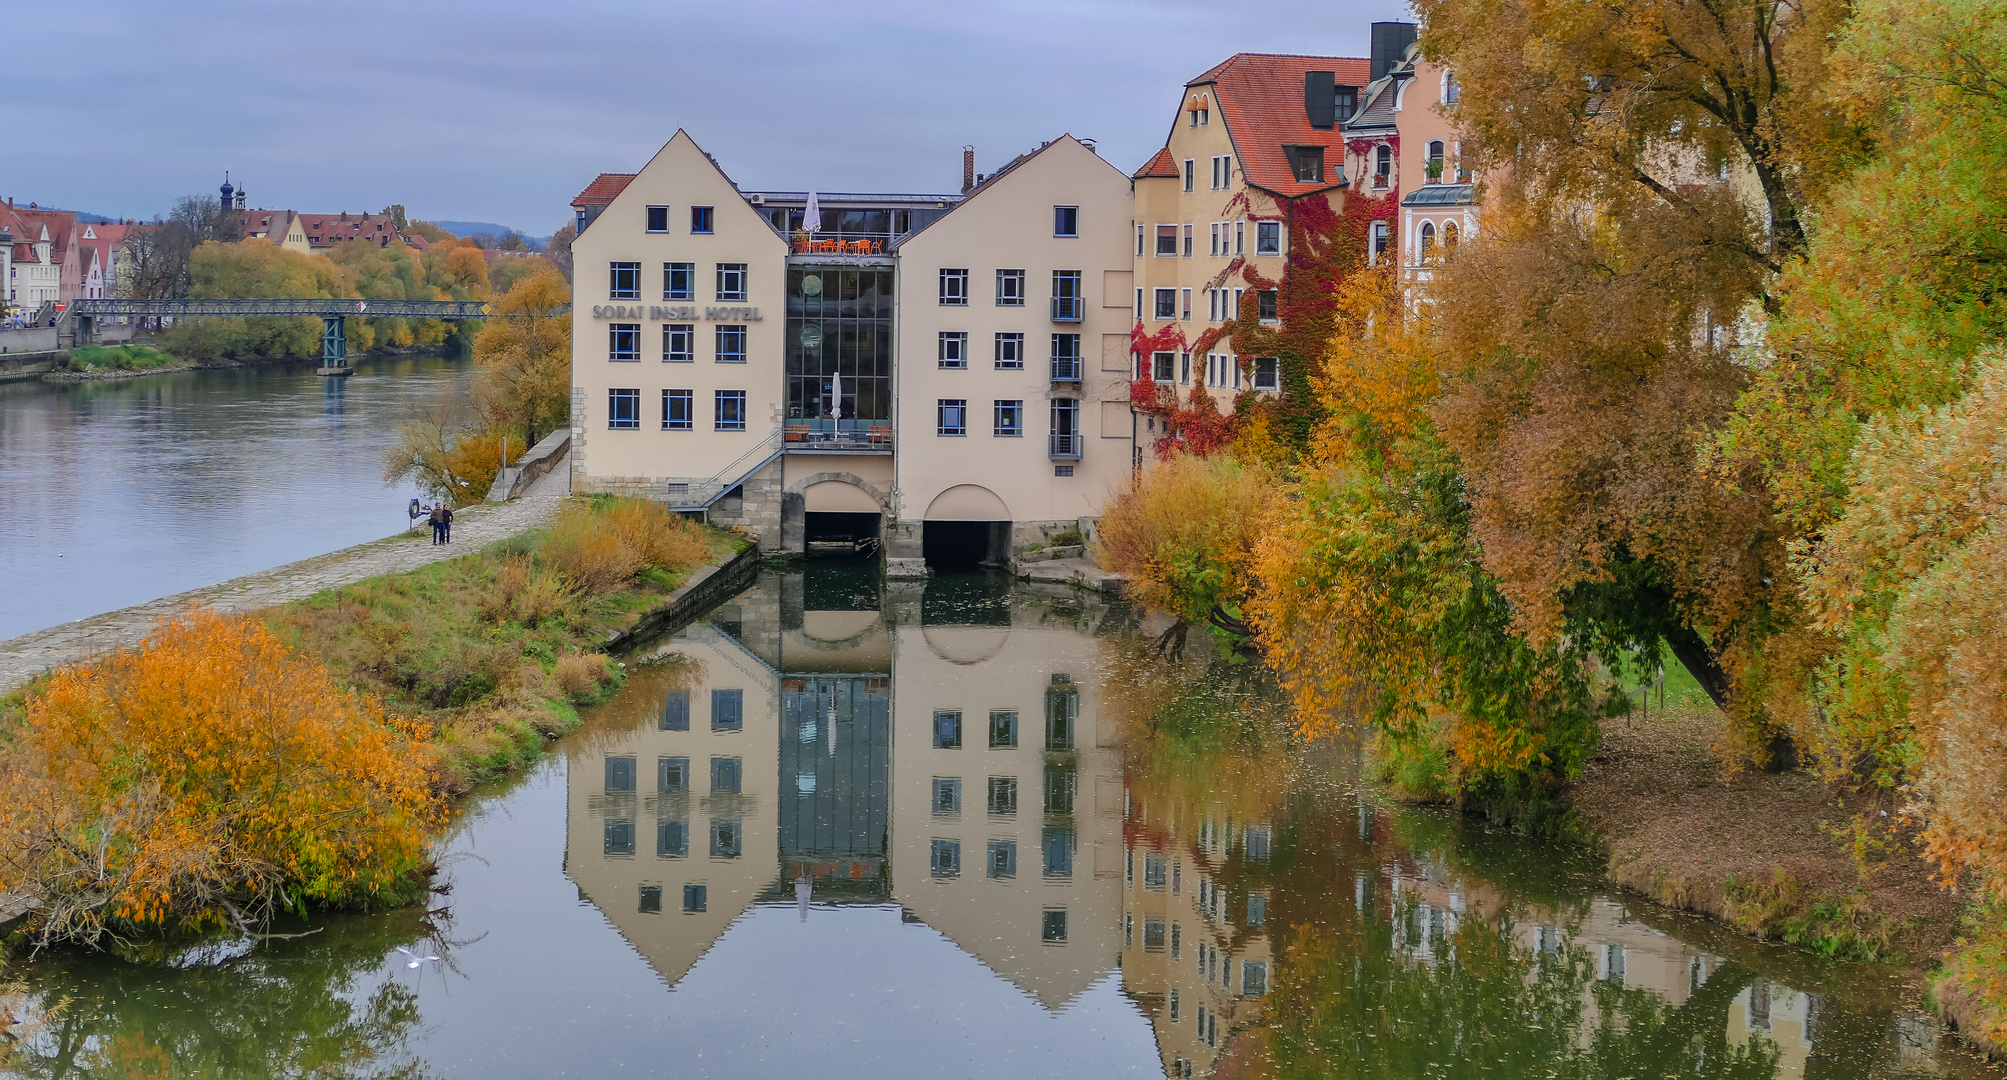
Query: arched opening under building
pixel 967 527
pixel 839 519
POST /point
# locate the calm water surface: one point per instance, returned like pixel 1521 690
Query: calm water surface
pixel 115 493
pixel 958 830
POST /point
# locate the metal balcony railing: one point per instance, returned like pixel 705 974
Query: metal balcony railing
pixel 1066 446
pixel 1065 369
pixel 1069 308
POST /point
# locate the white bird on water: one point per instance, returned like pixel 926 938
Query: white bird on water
pixel 414 958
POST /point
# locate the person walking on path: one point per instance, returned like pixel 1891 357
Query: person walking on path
pixel 438 520
pixel 446 522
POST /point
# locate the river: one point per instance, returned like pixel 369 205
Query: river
pixel 114 493
pixel 958 829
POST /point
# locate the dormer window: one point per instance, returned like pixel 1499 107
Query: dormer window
pixel 1306 163
pixel 1347 98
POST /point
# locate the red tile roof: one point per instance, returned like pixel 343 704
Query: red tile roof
pixel 1261 100
pixel 1160 165
pixel 604 189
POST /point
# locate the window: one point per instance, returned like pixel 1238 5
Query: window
pixel 731 345
pixel 1002 862
pixel 617 839
pixel 694 897
pixel 1060 783
pixel 1267 375
pixel 1381 238
pixel 1066 221
pixel 1066 358
pixel 1188 174
pixel 1174 993
pixel 954 349
pixel 726 773
pixel 1167 241
pixel 1010 288
pixel 1253 978
pixel 947 729
pixel 1432 162
pixel 1184 369
pixel 1427 240
pixel 1452 91
pixel 620 773
pixel 1449 236
pixel 1166 307
pixel 679 281
pixel 1265 307
pixel 1003 795
pixel 672 775
pixel 1217 242
pixel 1240 238
pixel 658 220
pixel 1139 301
pixel 623 409
pixel 623 342
pixel 1153 935
pixel 1139 241
pixel 1010 425
pixel 679 343
pixel 626 283
pixel 731 406
pixel 1069 303
pixel 1257 911
pixel 679 407
pixel 1222 172
pixel 1177 937
pixel 1062 470
pixel 728 710
pixel 1383 165
pixel 1003 729
pixel 947 795
pixel 1056 847
pixel 946 860
pixel 672 839
pixel 1306 163
pixel 700 219
pixel 726 837
pixel 955 288
pixel 651 895
pixel 1346 98
pixel 1010 351
pixel 952 416
pixel 1185 305
pixel 731 281
pixel 676 711
pixel 1153 872
pixel 1268 238
pixel 1188 241
pixel 1052 926
pixel 1163 367
pixel 1066 440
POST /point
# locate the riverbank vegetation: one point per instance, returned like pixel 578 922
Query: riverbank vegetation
pixel 1721 380
pixel 231 769
pixel 97 360
pixel 495 650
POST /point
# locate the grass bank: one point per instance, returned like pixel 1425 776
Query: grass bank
pixel 113 362
pixel 496 649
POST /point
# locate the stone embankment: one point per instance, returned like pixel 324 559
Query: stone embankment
pixel 27 656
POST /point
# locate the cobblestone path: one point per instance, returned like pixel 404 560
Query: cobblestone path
pixel 29 655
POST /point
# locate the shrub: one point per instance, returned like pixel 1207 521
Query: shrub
pixel 1185 531
pixel 582 674
pixel 598 546
pixel 208 776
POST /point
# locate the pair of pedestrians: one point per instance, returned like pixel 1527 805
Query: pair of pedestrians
pixel 442 523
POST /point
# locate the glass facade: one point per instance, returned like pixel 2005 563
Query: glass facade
pixel 839 349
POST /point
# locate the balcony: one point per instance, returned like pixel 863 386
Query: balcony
pixel 1065 447
pixel 1065 369
pixel 819 435
pixel 1069 308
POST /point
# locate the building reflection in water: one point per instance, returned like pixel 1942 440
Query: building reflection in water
pixel 978 792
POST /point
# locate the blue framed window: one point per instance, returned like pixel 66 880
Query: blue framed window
pixel 947 729
pixel 1066 221
pixel 955 288
pixel 1010 352
pixel 623 342
pixel 1052 926
pixel 672 839
pixel 676 711
pixel 953 416
pixel 1057 847
pixel 695 898
pixel 620 773
pixel 618 839
pixel 731 405
pixel 954 349
pixel 946 858
pixel 728 710
pixel 623 408
pixel 679 410
pixel 1002 862
pixel 679 343
pixel 700 219
pixel 731 345
pixel 625 283
pixel 658 220
pixel 672 775
pixel 1010 418
pixel 726 838
pixel 726 774
pixel 947 795
pixel 679 281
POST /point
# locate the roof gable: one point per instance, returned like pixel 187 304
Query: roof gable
pixel 604 189
pixel 1260 99
pixel 1160 164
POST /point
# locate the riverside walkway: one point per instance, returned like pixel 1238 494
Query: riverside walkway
pixel 27 656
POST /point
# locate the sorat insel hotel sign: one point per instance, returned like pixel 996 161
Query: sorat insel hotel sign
pixel 672 312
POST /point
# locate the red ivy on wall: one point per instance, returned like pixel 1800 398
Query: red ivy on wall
pixel 1325 245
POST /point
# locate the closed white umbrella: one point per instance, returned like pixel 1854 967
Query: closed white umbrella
pixel 812 218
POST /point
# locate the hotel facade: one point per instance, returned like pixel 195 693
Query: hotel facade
pixel 950 375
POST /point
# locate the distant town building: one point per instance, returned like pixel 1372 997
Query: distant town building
pixel 43 264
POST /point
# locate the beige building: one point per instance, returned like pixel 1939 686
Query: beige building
pixel 925 370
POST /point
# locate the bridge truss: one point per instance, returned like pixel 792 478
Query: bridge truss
pixel 332 313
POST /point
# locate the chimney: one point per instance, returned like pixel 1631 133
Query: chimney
pixel 1390 44
pixel 1089 143
pixel 1319 98
pixel 968 169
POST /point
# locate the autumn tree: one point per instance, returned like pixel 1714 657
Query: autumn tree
pixel 209 776
pixel 524 355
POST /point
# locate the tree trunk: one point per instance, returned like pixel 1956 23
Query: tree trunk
pixel 1700 662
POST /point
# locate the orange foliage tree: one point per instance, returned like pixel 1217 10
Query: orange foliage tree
pixel 209 776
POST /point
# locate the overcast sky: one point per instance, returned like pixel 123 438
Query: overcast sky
pixel 502 110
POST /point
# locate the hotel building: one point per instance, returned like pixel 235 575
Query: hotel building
pixel 948 373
